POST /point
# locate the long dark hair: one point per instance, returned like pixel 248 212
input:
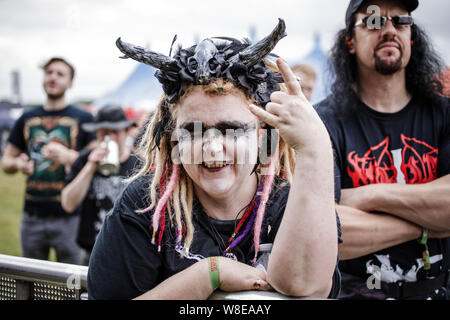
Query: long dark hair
pixel 422 72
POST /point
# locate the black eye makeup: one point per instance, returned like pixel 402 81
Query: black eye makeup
pixel 222 126
pixel 235 129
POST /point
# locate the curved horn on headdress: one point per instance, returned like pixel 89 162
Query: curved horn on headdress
pixel 255 53
pixel 140 54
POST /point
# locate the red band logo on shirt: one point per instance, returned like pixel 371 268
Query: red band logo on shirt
pixel 377 165
pixel 418 167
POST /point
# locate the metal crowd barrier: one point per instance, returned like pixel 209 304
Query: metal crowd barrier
pixel 31 279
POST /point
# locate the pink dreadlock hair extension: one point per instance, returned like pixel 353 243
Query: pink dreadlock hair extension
pixel 268 180
pixel 162 223
pixel 164 199
pixel 178 218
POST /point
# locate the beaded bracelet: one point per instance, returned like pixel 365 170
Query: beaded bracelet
pixel 425 254
pixel 424 237
pixel 214 272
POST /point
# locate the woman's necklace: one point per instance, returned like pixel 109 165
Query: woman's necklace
pixel 220 241
pixel 249 215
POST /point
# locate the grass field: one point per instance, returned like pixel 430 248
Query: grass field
pixel 11 202
pixel 12 191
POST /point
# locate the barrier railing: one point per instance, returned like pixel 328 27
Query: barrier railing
pixel 31 279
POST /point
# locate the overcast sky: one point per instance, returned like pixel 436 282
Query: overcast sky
pixel 85 31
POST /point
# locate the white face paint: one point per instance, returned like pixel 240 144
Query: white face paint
pixel 217 141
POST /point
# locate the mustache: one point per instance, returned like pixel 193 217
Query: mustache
pixel 382 42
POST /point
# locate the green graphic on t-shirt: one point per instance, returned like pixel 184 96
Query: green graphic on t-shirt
pixel 48 178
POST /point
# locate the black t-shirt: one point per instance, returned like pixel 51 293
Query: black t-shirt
pixel 410 146
pixel 33 130
pixel 125 264
pixel 102 193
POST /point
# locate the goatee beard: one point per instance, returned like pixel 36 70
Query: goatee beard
pixel 387 68
pixel 383 67
pixel 55 96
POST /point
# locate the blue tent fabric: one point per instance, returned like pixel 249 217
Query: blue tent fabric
pixel 6 121
pixel 9 112
pixel 141 85
pixel 6 118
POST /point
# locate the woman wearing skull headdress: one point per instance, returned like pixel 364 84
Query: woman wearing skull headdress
pixel 235 169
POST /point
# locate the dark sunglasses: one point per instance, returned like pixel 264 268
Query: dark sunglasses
pixel 371 22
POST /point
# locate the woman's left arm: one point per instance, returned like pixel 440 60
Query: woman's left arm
pixel 305 249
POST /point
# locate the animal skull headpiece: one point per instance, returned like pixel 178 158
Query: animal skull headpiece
pixel 212 58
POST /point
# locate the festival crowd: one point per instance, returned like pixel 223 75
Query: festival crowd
pixel 237 182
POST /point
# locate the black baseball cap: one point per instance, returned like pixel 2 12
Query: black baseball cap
pixel 354 6
pixel 109 117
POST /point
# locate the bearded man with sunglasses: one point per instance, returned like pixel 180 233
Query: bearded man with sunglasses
pixel 390 127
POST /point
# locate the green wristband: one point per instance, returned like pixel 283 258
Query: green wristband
pixel 214 272
pixel 424 238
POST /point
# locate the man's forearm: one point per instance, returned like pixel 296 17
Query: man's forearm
pixel 364 233
pixel 424 204
pixel 74 193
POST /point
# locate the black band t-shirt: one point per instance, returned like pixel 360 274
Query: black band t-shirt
pixel 103 191
pixel 125 264
pixel 411 146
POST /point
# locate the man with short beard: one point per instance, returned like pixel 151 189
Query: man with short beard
pixel 390 128
pixel 41 144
